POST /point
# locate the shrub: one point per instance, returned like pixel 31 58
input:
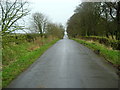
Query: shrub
pixel 115 44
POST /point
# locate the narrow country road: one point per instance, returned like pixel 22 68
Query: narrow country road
pixel 68 64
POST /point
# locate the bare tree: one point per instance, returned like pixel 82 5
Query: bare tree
pixel 11 12
pixel 39 23
pixel 56 30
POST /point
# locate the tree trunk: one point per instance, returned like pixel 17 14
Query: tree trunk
pixel 118 21
pixel 107 35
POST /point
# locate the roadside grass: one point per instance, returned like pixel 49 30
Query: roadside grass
pixel 0 67
pixel 0 62
pixel 17 58
pixel 110 55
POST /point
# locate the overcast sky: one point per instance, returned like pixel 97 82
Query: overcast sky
pixel 59 11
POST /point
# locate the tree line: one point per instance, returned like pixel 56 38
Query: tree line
pixel 95 19
pixel 12 11
pixel 41 24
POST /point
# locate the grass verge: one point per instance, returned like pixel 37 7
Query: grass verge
pixel 24 58
pixel 110 55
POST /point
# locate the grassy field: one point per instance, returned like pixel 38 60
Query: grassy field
pixel 0 62
pixel 110 55
pixel 0 68
pixel 17 58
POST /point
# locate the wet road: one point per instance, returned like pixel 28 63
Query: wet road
pixel 68 64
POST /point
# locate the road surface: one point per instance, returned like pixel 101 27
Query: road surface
pixel 68 64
